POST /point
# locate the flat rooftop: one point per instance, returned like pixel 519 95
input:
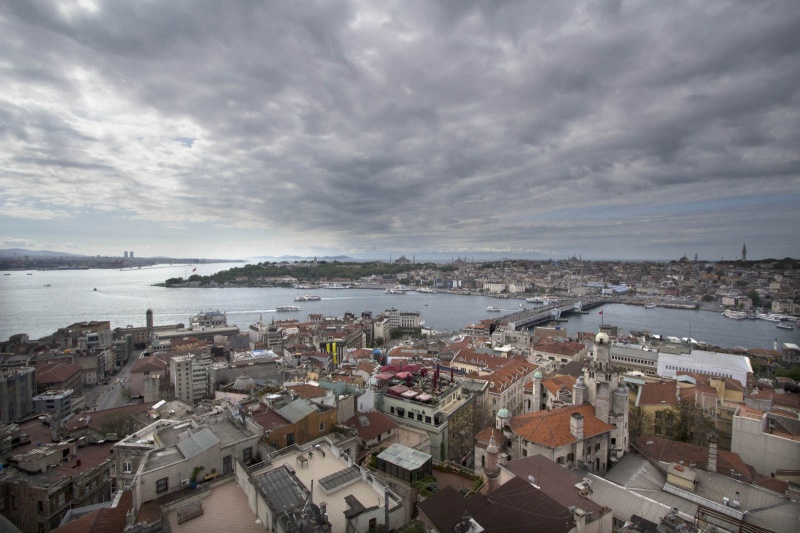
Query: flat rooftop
pixel 321 466
pixel 225 509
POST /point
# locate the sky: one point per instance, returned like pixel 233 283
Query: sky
pixel 600 129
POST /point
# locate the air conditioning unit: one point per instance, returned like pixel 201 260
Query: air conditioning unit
pixel 184 483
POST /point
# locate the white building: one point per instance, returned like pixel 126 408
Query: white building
pixel 710 363
pixel 402 319
pixel 189 376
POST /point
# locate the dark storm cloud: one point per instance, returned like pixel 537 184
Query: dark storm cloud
pixel 449 125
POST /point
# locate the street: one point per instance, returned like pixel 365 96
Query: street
pixel 102 397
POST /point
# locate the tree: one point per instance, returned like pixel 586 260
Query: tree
pixel 685 422
pixel 755 297
pixel 641 422
pixel 708 298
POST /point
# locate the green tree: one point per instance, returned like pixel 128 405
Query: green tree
pixel 755 297
pixel 708 298
pixel 641 422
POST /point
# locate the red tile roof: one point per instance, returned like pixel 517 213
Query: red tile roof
pixel 551 428
pixel 556 383
pixel 56 372
pixel 653 393
pixel 308 391
pixel 148 364
pixel 371 424
pixel 658 448
pixel 106 520
pixel 513 372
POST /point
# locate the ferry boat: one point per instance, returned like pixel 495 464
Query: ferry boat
pixel 493 309
pixel 287 308
pixel 308 298
pixel 736 315
pixel 397 289
pixel 535 300
pixel 336 286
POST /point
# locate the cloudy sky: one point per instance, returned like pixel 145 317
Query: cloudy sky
pixel 606 129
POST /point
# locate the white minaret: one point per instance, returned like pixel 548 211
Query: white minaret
pixel 537 390
pixel 492 469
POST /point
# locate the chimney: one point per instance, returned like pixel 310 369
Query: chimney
pixel 712 453
pixel 579 391
pixel 576 425
pixel 580 520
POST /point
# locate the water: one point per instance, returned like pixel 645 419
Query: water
pixel 30 306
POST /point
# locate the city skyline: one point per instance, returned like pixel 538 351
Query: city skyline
pixel 606 130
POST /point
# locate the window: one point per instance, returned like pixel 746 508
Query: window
pixel 126 468
pixel 40 506
pixel 410 415
pixel 162 485
pixel 13 502
pixel 246 454
pixel 290 439
pixel 322 426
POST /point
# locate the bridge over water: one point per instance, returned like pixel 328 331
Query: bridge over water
pixel 530 317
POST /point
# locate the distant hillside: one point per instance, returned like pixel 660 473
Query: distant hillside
pixel 20 252
pixel 296 258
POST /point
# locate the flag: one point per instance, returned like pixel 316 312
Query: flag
pixel 600 313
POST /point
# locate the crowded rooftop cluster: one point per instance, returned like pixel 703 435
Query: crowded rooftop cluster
pixel 175 427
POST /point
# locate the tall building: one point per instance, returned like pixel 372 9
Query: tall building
pixel 17 388
pixel 744 252
pixel 189 376
pixel 126 255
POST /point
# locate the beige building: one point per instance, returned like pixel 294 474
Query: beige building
pixel 767 441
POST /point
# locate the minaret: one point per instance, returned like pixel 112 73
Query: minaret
pixel 149 319
pixel 491 469
pixel 537 390
pixel 744 252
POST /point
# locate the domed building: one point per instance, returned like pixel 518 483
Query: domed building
pixel 587 427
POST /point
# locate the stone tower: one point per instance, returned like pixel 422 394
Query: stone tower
pixel 537 391
pixel 149 319
pixel 492 469
pixel 744 252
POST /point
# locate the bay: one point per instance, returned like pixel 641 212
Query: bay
pixel 40 303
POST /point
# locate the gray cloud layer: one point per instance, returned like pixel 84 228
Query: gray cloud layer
pixel 613 128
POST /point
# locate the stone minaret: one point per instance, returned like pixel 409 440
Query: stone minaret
pixel 492 469
pixel 579 392
pixel 537 390
pixel 149 318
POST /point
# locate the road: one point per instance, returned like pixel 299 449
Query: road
pixel 110 396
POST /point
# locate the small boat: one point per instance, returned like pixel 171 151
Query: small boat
pixel 287 308
pixel 650 306
pixel 493 309
pixel 6 274
pixel 785 326
pixel 30 274
pixel 95 289
pixel 47 285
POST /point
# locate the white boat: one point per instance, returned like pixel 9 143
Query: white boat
pixel 287 308
pixel 649 306
pixel 493 309
pixel 785 326
pixel 307 298
pixel 535 300
pixel 397 289
pixel 736 315
pixel 336 286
